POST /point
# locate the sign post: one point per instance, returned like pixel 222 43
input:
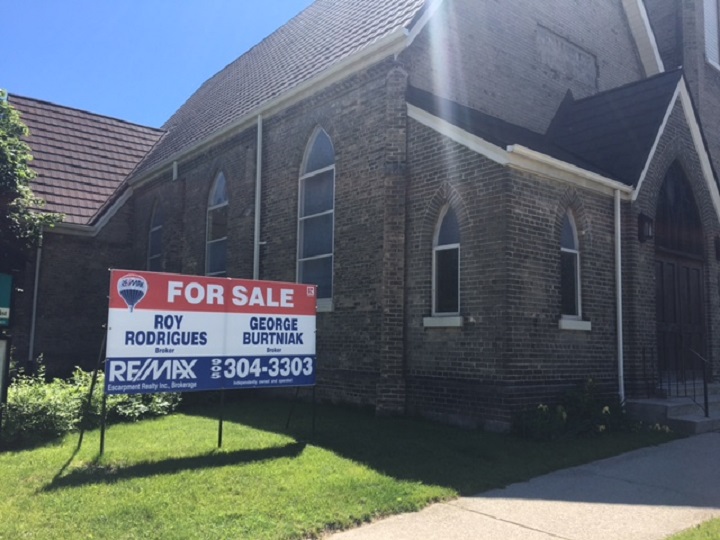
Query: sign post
pixel 179 333
pixel 4 374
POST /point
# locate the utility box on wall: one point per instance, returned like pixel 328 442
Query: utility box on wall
pixel 5 298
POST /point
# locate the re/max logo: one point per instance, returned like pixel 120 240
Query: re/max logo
pixel 150 369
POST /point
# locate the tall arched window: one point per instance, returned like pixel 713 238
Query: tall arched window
pixel 155 240
pixel 570 269
pixel 446 265
pixel 316 217
pixel 217 224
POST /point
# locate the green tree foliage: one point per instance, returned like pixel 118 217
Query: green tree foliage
pixel 21 216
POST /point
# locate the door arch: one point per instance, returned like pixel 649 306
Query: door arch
pixel 679 277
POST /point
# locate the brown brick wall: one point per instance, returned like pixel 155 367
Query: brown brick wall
pixel 516 59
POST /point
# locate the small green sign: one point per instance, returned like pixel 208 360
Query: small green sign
pixel 5 296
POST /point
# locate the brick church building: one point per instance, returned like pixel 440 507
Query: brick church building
pixel 497 200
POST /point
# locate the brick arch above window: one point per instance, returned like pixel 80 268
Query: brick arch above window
pixel 573 239
pixel 445 219
pixel 572 202
pixel 445 195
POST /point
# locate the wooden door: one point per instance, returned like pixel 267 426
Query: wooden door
pixel 680 311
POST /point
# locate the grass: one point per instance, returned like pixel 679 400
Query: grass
pixel 165 478
pixel 710 530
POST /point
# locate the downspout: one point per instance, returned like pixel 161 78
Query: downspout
pixel 258 198
pixel 33 318
pixel 619 296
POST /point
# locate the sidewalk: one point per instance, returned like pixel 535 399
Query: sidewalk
pixel 647 494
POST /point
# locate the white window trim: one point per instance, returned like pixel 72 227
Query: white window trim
pixel 436 248
pixel 711 14
pixel 210 209
pixel 154 228
pixel 578 285
pixel 578 288
pixel 323 304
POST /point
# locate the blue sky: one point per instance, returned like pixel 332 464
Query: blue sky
pixel 138 60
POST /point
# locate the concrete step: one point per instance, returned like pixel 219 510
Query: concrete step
pixel 694 424
pixel 682 414
pixel 696 388
pixel 659 409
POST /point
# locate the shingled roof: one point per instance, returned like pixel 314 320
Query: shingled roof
pixel 81 158
pixel 615 130
pixel 610 133
pixel 316 39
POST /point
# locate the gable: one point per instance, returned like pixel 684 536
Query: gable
pixel 615 130
pixel 683 104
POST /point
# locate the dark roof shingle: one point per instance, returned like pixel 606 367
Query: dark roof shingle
pixel 610 133
pixel 616 129
pixel 319 37
pixel 81 158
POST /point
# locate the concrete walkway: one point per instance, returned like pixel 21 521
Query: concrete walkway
pixel 647 494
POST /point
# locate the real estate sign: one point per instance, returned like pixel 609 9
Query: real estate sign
pixel 5 298
pixel 178 333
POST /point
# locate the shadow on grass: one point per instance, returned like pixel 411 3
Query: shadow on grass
pixel 95 473
pixel 467 461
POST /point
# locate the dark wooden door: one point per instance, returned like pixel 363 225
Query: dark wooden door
pixel 680 317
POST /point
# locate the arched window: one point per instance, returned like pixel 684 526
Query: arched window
pixel 217 224
pixel 678 227
pixel 446 265
pixel 316 217
pixel 570 269
pixel 155 240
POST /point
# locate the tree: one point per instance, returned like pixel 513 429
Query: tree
pixel 21 216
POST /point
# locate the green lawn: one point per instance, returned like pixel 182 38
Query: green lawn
pixel 166 479
pixel 709 530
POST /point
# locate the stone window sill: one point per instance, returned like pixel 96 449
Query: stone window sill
pixel 574 324
pixel 443 321
pixel 325 305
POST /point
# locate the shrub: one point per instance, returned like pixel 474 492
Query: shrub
pixel 540 423
pixel 38 410
pixel 581 412
pixel 590 412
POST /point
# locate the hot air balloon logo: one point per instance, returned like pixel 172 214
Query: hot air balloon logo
pixel 133 289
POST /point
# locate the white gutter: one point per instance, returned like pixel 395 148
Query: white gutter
pixel 521 157
pixel 258 198
pixel 619 298
pixel 33 316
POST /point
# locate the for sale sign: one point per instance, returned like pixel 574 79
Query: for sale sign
pixel 177 333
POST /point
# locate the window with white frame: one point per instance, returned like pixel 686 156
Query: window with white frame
pixel 446 265
pixel 316 217
pixel 155 240
pixel 712 32
pixel 570 269
pixel 217 225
